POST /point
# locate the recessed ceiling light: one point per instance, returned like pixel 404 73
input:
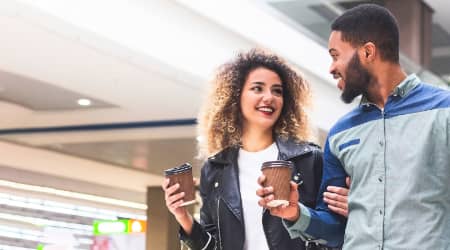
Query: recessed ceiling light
pixel 84 102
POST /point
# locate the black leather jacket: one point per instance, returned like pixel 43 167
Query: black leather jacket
pixel 222 223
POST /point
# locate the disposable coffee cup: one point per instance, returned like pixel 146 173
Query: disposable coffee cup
pixel 278 175
pixel 182 175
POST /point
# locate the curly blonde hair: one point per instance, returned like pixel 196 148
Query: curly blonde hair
pixel 220 119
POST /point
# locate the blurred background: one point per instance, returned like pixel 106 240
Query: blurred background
pixel 98 97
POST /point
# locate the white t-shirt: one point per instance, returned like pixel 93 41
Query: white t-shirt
pixel 249 170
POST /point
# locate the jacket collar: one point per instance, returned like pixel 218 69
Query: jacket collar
pixel 227 159
pixel 401 90
pixel 287 148
pixel 229 180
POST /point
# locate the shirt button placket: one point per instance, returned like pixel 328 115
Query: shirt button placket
pixel 380 174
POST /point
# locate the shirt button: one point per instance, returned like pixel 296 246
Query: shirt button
pixel 380 179
pixel 381 143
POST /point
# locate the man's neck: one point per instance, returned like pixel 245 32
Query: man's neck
pixel 386 77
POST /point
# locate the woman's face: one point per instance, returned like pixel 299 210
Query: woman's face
pixel 261 99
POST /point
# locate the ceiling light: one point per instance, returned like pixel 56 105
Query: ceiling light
pixel 64 208
pixel 84 102
pixel 81 196
pixel 78 228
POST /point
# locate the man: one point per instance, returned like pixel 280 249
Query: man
pixel 395 146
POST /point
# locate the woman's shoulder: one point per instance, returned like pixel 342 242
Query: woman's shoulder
pixel 313 146
pixel 220 159
pixel 295 147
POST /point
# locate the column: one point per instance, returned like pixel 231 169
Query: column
pixel 415 21
pixel 162 228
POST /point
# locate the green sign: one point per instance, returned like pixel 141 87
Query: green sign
pixel 107 227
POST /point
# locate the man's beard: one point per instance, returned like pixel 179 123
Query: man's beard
pixel 357 80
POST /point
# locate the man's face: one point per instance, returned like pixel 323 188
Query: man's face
pixel 346 66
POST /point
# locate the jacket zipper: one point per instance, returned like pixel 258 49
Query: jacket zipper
pixel 218 223
pixel 264 229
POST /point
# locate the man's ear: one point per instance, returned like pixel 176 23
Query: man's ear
pixel 370 51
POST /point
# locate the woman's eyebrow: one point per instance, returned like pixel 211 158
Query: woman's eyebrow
pixel 258 83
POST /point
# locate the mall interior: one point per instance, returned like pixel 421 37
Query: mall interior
pixel 99 97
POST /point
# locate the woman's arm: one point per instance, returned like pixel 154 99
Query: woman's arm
pixel 173 203
pixel 201 236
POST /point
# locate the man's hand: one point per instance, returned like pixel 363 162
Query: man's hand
pixel 290 212
pixel 336 198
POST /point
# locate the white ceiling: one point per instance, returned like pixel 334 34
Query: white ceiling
pixel 35 52
pixel 148 60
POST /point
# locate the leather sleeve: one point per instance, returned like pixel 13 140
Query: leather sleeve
pixel 203 236
pixel 310 167
pixel 320 224
pixel 318 168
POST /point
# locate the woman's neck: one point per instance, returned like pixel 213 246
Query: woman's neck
pixel 254 141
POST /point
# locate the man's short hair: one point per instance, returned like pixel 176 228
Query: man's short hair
pixel 370 23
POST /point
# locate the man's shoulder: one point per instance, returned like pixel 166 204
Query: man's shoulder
pixel 432 91
pixel 428 97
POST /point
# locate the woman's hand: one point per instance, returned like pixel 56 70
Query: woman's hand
pixel 290 212
pixel 173 203
pixel 336 198
pixel 173 200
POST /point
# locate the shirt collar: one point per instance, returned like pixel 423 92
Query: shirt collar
pixel 402 89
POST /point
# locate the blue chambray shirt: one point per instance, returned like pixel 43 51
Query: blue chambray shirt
pixel 399 162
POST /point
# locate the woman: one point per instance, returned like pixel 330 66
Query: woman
pixel 255 113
